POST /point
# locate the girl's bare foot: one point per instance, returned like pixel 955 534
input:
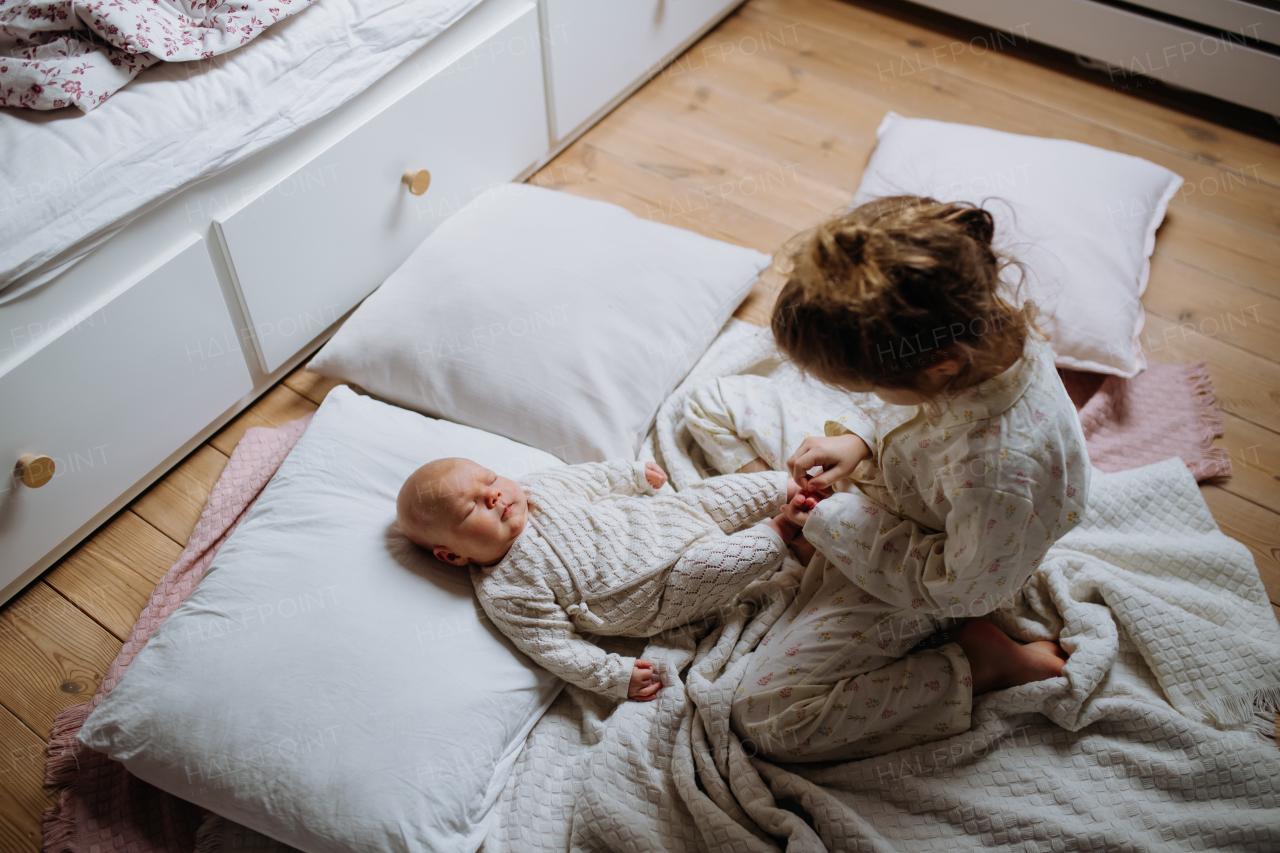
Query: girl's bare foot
pixel 997 661
pixel 1047 647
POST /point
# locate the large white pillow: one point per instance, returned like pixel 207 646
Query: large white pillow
pixel 1081 219
pixel 327 684
pixel 557 321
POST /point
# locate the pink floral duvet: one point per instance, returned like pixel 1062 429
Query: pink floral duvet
pixel 80 52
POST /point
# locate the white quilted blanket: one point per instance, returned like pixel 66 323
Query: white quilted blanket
pixel 1149 741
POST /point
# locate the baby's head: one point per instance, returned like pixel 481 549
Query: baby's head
pixel 461 511
pixel 902 297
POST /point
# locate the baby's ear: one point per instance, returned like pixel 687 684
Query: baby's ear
pixel 444 555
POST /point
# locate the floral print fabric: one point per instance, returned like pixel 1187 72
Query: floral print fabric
pixel 80 52
pixel 834 680
pixel 958 505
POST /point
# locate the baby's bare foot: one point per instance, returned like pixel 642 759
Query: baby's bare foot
pixel 996 661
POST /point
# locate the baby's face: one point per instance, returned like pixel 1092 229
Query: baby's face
pixel 477 514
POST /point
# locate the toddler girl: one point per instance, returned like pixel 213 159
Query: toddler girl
pixel 960 460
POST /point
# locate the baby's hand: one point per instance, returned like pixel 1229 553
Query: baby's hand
pixel 782 526
pixel 794 514
pixel 806 499
pixel 656 477
pixel 644 683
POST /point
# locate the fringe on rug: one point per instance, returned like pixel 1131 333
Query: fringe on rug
pixel 1243 708
pixel 209 837
pixel 1217 460
pixel 59 827
pixel 1264 726
pixel 61 772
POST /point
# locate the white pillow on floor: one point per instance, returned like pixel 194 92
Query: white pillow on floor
pixel 328 684
pixel 1081 219
pixel 557 321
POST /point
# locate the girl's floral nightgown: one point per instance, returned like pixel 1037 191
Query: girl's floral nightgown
pixel 948 519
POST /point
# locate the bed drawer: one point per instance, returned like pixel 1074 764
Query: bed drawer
pixel 599 48
pixel 112 397
pixel 306 251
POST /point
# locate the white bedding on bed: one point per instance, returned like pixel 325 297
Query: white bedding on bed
pixel 72 179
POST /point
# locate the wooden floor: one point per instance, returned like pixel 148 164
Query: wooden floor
pixel 762 129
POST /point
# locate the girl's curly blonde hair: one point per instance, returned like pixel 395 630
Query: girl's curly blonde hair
pixel 881 293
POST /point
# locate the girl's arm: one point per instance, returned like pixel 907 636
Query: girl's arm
pixel 993 541
pixel 863 422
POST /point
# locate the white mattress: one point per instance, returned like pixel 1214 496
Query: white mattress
pixel 69 180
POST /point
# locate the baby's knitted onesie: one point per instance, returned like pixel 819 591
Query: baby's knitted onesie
pixel 598 557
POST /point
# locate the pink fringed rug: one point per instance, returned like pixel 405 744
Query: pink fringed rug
pixel 101 808
pixel 1167 410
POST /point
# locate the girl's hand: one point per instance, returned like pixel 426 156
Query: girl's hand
pixel 644 683
pixel 837 455
pixel 655 475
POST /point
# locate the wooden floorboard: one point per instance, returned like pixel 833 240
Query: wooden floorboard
pixel 275 408
pixel 782 85
pixel 1221 246
pixel 968 50
pixel 791 144
pixel 173 504
pixel 854 60
pixel 1255 462
pixel 699 165
pixel 1247 385
pixel 23 797
pixel 1215 306
pixel 645 192
pixel 313 386
pixel 54 656
pixel 111 576
pixel 748 146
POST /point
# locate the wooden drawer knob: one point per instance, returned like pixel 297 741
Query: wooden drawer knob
pixel 36 470
pixel 417 180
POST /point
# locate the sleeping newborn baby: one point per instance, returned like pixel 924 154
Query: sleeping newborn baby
pixel 592 548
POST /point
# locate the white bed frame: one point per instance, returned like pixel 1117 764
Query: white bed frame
pixel 135 356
